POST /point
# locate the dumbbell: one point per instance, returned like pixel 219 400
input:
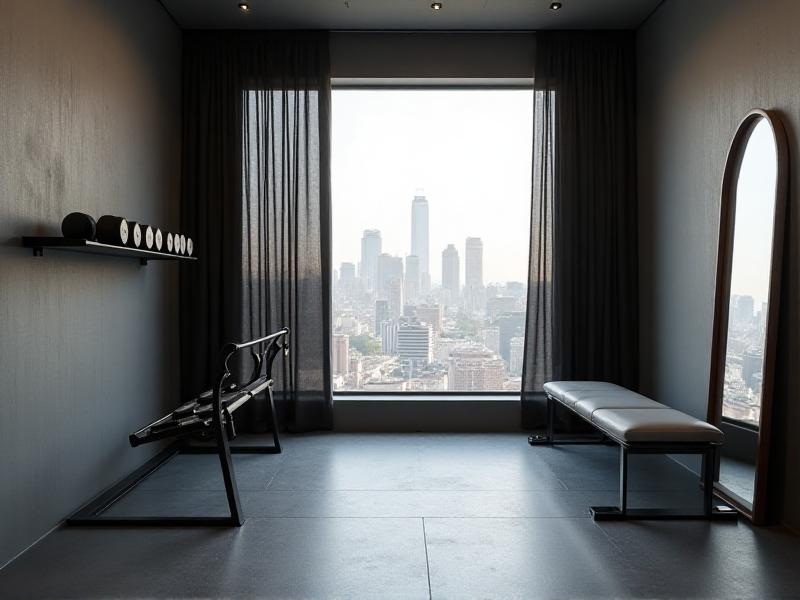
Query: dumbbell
pixel 135 234
pixel 113 230
pixel 79 225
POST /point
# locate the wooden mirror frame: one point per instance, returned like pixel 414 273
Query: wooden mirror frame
pixel 758 511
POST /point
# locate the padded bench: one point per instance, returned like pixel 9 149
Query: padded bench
pixel 640 426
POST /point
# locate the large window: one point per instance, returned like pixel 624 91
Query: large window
pixel 431 226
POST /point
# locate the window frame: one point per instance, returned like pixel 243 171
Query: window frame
pixel 425 83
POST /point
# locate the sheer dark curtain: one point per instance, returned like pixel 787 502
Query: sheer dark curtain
pixel 582 315
pixel 256 198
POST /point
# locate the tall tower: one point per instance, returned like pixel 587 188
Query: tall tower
pixel 370 251
pixel 473 263
pixel 474 300
pixel 450 274
pixel 420 236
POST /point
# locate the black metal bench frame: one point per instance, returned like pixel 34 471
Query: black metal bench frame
pixel 225 401
pixel 622 512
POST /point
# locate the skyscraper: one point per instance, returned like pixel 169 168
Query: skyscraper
pixel 389 337
pixel 389 268
pixel 420 237
pixel 347 273
pixel 474 295
pixel 450 273
pixel 412 278
pixel 347 279
pixel 473 263
pixel 394 293
pixel 370 251
pixel 381 314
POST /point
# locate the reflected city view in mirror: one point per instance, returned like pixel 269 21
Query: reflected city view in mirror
pixel 750 277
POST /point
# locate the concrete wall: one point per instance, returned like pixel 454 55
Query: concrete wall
pixel 702 66
pixel 427 54
pixel 89 121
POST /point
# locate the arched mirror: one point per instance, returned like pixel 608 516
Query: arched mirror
pixel 752 214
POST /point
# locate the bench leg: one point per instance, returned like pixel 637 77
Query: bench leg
pixel 623 480
pixel 709 462
pixel 548 437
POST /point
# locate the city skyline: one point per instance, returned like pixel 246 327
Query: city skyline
pixel 392 145
pixel 431 283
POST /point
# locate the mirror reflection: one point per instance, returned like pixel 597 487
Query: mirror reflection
pixel 747 315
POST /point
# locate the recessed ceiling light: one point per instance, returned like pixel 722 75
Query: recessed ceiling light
pixel 555 5
pixel 436 6
pixel 244 7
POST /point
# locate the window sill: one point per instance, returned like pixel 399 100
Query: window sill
pixel 440 397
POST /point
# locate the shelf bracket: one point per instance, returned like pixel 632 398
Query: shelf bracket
pixel 38 251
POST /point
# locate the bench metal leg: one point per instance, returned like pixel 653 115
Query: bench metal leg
pixel 623 480
pixel 549 436
pixel 622 512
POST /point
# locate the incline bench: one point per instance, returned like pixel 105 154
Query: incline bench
pixel 640 426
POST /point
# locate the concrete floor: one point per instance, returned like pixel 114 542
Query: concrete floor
pixel 413 516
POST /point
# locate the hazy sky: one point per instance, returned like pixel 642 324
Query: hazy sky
pixel 755 212
pixel 468 150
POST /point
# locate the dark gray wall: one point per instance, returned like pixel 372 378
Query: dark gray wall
pixel 427 54
pixel 89 121
pixel 702 66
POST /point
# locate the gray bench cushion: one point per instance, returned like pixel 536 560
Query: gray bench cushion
pixel 654 425
pixel 588 404
pixel 568 392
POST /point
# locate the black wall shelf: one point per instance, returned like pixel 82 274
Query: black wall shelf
pixel 38 244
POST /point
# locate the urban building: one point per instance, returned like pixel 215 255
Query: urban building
pixel 382 313
pixel 430 314
pixel 491 339
pixel 509 325
pixel 340 361
pixel 412 278
pixel 414 344
pixel 371 245
pixel 450 274
pixel 517 356
pixel 420 239
pixel 475 369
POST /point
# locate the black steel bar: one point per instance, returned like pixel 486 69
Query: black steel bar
pixel 274 417
pixel 225 460
pixel 709 459
pixel 623 479
pixel 153 521
pixel 109 497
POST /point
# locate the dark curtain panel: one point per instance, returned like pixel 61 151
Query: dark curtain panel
pixel 582 320
pixel 256 199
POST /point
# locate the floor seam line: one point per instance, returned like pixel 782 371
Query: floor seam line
pixel 427 561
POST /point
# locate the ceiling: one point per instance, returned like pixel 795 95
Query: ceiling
pixel 410 14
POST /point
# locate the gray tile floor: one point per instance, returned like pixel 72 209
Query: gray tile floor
pixel 412 516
